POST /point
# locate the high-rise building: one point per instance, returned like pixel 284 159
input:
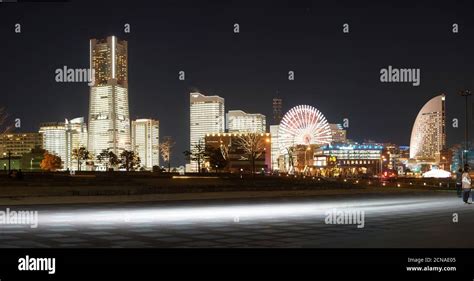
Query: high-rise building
pixel 146 142
pixel 19 143
pixel 240 121
pixel 109 118
pixel 338 133
pixel 428 136
pixel 62 138
pixel 277 110
pixel 76 137
pixel 54 139
pixel 207 115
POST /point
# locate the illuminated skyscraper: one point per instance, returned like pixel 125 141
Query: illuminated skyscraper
pixel 109 118
pixel 428 136
pixel 206 116
pixel 146 142
pixel 240 121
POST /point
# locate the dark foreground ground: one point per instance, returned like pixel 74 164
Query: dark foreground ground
pixel 143 183
pixel 409 219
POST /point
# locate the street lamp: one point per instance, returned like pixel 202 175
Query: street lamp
pixel 466 94
pixel 382 159
pixel 9 154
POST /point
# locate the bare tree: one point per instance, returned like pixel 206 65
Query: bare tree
pixel 253 145
pixel 216 158
pixel 4 128
pixel 197 154
pixel 81 154
pixel 166 147
pixel 224 151
pixel 291 152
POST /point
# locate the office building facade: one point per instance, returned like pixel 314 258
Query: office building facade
pixel 428 136
pixel 338 133
pixel 18 144
pixel 109 118
pixel 146 142
pixel 207 115
pixel 239 121
pixel 54 139
pixel 76 137
pixel 276 160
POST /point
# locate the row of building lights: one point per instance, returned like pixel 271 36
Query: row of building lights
pixel 369 182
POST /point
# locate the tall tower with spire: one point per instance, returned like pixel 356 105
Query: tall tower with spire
pixel 109 117
pixel 277 110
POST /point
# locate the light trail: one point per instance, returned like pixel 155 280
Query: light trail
pixel 216 213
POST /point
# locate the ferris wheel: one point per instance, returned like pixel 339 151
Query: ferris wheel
pixel 303 125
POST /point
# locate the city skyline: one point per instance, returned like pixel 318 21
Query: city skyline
pixel 156 92
pixel 340 131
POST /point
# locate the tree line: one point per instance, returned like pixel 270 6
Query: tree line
pixel 127 159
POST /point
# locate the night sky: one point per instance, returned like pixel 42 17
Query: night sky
pixel 337 73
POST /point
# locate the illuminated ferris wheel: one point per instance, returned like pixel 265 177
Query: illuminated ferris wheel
pixel 303 125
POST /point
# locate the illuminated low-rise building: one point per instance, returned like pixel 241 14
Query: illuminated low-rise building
pixel 19 143
pixel 355 159
pixel 234 153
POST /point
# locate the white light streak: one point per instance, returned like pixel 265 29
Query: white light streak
pixel 227 213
